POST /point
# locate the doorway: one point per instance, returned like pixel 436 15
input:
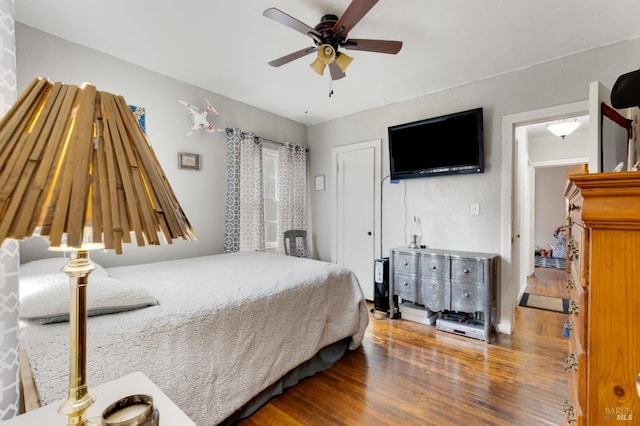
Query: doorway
pixel 356 209
pixel 543 160
pixel 517 202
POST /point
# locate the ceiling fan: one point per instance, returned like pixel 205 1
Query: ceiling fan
pixel 330 35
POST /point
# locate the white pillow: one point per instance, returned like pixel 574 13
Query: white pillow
pixel 52 265
pixel 45 298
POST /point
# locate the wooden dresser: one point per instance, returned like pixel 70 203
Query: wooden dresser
pixel 603 250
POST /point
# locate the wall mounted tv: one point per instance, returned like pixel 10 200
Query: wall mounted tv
pixel 445 145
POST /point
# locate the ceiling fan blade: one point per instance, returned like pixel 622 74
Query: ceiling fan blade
pixel 380 46
pixel 336 72
pixel 293 56
pixel 354 13
pixel 291 22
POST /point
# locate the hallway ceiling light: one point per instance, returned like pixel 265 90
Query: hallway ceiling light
pixel 563 127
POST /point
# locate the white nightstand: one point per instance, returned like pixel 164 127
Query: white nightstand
pixel 135 383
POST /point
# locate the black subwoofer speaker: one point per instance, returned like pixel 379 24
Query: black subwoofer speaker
pixel 381 284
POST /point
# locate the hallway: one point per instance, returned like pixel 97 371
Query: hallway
pixel 545 282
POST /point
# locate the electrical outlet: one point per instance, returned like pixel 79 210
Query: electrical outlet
pixel 474 209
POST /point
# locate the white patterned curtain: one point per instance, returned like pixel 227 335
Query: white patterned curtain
pixel 244 222
pixel 9 253
pixel 292 190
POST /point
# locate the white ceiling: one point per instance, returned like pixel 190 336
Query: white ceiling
pixel 224 46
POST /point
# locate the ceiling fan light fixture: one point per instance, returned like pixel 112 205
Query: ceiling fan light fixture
pixel 563 128
pixel 326 55
pixel 343 61
pixel 318 66
pixel 331 33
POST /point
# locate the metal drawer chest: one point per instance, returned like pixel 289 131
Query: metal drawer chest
pixel 447 280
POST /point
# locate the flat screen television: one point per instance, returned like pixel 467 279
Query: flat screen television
pixel 445 145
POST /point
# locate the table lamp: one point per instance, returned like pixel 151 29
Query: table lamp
pixel 76 168
pixel 416 233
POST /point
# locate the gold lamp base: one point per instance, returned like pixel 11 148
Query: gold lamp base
pixel 134 410
pixel 79 399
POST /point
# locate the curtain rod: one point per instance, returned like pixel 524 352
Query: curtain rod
pixel 256 138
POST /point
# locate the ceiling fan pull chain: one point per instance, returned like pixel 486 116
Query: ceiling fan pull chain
pixel 330 87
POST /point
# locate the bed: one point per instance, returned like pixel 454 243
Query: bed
pixel 218 334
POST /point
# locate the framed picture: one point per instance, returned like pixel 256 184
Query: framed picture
pixel 319 183
pixel 188 160
pixel 139 114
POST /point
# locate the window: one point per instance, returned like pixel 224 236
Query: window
pixel 270 183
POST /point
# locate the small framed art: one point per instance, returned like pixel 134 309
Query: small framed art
pixel 188 160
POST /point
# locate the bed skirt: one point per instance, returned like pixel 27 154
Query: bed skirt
pixel 323 360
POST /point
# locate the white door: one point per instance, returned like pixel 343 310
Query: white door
pixel 356 213
pixel 608 141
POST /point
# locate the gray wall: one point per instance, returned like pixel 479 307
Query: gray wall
pixel 550 205
pixel 201 193
pixel 443 202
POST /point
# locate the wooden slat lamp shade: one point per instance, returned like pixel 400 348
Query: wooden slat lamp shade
pixel 76 167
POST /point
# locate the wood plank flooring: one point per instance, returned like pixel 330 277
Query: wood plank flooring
pixel 412 374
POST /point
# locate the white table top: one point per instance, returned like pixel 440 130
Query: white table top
pixel 105 394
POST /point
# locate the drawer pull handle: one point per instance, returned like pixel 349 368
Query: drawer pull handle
pixel 570 413
pixel 434 267
pixel 571 363
pixel 406 284
pixel 465 270
pixel 568 325
pixel 466 294
pixel 574 251
pixel 573 307
pixel 570 283
pixel 406 263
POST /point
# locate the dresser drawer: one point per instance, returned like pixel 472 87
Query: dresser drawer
pixel 578 251
pixel 467 270
pixel 576 367
pixel 405 286
pixel 573 415
pixel 575 208
pixel 405 263
pixel 467 297
pixel 435 266
pixel 435 294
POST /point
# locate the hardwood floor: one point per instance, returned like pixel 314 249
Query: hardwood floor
pixel 407 373
pixel 545 282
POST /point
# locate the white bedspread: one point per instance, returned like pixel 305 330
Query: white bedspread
pixel 227 326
